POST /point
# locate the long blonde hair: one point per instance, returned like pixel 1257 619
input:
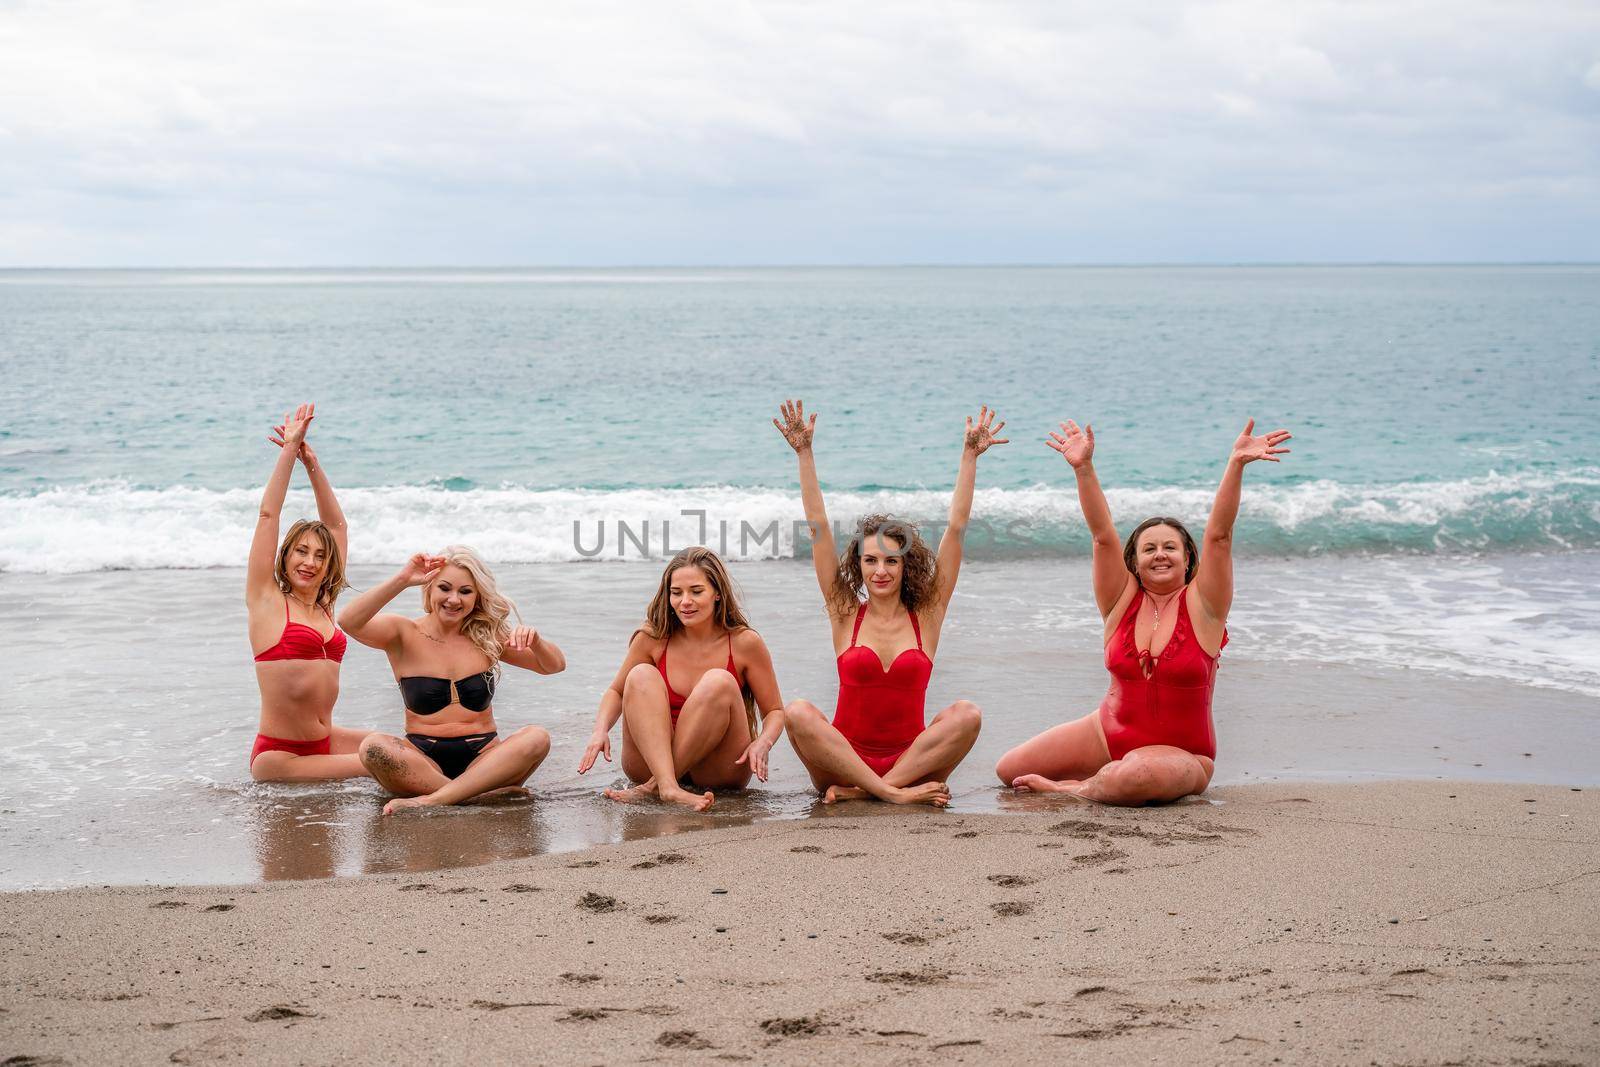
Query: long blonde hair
pixel 661 622
pixel 486 626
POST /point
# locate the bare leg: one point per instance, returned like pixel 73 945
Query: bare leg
pixel 399 766
pixel 713 731
pixel 1058 759
pixel 341 761
pixel 507 761
pixel 647 723
pixel 1154 774
pixel 934 755
pixel 832 762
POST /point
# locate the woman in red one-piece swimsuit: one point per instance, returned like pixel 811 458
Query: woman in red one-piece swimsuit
pixel 702 727
pixel 1165 606
pixel 290 589
pixel 877 744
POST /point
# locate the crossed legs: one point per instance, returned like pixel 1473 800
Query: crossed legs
pixel 1073 758
pixel 917 777
pixel 400 767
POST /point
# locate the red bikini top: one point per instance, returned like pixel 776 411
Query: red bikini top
pixel 861 666
pixel 300 641
pixel 675 701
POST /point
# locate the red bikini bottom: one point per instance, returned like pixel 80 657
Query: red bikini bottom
pixel 294 748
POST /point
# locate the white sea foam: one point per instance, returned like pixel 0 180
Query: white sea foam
pixel 113 525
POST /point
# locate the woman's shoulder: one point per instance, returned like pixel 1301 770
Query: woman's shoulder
pixel 746 639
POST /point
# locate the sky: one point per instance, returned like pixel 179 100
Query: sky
pixel 181 133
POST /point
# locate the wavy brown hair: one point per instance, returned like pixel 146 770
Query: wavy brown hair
pixel 917 569
pixel 661 622
pixel 1191 554
pixel 333 582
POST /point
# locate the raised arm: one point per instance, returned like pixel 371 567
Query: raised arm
pixel 264 544
pixel 328 509
pixel 639 651
pixel 798 431
pixel 360 617
pixel 1213 580
pixel 975 442
pixel 527 649
pixel 1111 575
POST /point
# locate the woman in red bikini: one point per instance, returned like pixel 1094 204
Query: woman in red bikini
pixel 290 589
pixel 1165 606
pixel 886 597
pixel 447 664
pixel 693 718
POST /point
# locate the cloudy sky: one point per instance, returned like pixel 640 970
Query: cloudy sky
pixel 654 132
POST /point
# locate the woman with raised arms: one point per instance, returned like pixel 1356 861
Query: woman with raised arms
pixel 447 663
pixel 290 589
pixel 886 597
pixel 702 727
pixel 1151 740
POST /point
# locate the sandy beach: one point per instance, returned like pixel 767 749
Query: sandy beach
pixel 1436 922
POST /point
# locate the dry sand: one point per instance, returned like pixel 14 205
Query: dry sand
pixel 1437 922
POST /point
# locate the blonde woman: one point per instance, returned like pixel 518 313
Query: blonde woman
pixel 290 589
pixel 447 663
pixel 693 720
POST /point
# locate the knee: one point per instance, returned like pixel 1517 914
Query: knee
pixel 532 741
pixel 1010 767
pixel 644 676
pixel 801 717
pixel 966 715
pixel 718 682
pixel 379 752
pixel 1134 779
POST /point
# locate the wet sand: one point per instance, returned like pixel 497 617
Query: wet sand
pixel 1436 921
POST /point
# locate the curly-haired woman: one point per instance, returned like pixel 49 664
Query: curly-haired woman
pixel 447 663
pixel 886 595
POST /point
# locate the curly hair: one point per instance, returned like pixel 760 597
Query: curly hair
pixel 917 571
pixel 486 626
pixel 333 582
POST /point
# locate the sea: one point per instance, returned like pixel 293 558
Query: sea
pixel 1418 582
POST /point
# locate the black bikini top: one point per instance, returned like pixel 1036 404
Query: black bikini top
pixel 427 696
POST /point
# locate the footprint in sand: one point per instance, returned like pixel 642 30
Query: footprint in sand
pixel 667 859
pixel 1011 881
pixel 909 977
pixel 520 887
pixel 905 939
pixel 277 1012
pixel 806 848
pixel 1099 857
pixel 644 865
pixel 583 863
pixel 580 979
pixel 583 1015
pixel 598 903
pixel 804 1026
pixel 222 907
pixel 166 904
pixel 660 920
pixel 682 1039
pixel 1012 907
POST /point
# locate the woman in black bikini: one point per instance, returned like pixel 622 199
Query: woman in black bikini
pixel 447 663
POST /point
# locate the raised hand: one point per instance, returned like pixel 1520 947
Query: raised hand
pixel 1075 445
pixel 1249 448
pixel 295 425
pixel 599 745
pixel 756 756
pixel 982 435
pixel 522 638
pixel 796 429
pixel 306 455
pixel 421 569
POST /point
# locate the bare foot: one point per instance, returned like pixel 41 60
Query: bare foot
pixel 837 793
pixel 1038 783
pixel 935 793
pixel 694 801
pixel 635 795
pixel 402 803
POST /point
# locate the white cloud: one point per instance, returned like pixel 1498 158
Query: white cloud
pixel 639 132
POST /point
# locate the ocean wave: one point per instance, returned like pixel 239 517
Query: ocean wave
pixel 118 526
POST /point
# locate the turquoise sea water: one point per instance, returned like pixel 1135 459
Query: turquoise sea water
pixel 1428 550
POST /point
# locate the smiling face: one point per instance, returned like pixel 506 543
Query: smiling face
pixel 1161 559
pixel 452 595
pixel 305 565
pixel 691 594
pixel 882 564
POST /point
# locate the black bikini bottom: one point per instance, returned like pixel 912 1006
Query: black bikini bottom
pixel 451 754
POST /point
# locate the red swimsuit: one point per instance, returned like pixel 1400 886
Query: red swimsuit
pixel 300 641
pixel 880 711
pixel 674 700
pixel 1171 705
